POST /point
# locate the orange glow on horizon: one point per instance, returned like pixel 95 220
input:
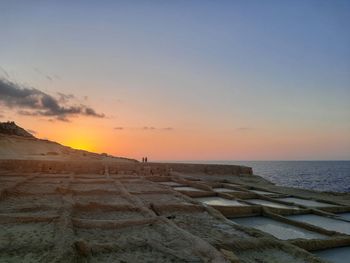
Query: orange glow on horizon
pixel 79 144
pixel 80 135
pixel 271 143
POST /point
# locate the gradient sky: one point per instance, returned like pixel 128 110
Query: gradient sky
pixel 185 80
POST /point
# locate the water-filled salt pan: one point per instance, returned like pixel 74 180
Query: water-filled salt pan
pixel 278 229
pixel 225 190
pixel 323 222
pixel 345 215
pixel 262 192
pixel 270 203
pixel 186 188
pixel 299 201
pixel 170 183
pixel 335 255
pixel 215 200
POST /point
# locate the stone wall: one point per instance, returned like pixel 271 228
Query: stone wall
pixel 101 167
pixel 207 168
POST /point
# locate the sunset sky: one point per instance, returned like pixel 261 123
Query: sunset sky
pixel 181 80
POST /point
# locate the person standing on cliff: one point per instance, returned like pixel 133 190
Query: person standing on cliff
pixel 145 159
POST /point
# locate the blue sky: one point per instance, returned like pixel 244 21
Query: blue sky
pixel 213 67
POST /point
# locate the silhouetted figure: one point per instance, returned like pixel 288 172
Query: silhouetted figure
pixel 145 159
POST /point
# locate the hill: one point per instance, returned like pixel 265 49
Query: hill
pixel 17 143
pixel 10 128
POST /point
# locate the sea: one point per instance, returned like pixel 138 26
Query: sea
pixel 331 176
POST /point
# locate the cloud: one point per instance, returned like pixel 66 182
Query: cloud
pixel 4 72
pixel 64 98
pixel 144 128
pixel 2 114
pixel 33 102
pixel 151 128
pixel 46 76
pixel 148 128
pixel 242 129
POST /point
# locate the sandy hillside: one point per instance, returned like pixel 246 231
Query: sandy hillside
pixel 17 147
pixel 16 143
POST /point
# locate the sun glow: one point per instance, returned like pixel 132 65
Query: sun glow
pixel 80 143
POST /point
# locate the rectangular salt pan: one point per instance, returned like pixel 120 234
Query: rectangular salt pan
pixel 262 192
pixel 323 222
pixel 300 201
pixel 186 188
pixel 278 229
pixel 214 200
pixel 335 255
pixel 224 190
pixel 270 204
pixel 170 183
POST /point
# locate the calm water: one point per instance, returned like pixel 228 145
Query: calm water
pixel 317 175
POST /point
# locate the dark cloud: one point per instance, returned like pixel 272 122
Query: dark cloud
pixel 62 118
pixel 64 98
pixel 119 128
pixel 33 102
pixel 91 112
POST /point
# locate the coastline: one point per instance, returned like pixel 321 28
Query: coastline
pixel 324 175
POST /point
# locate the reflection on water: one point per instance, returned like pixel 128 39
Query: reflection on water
pixel 214 200
pixel 278 229
pixel 345 215
pixel 304 202
pixel 270 203
pixel 323 222
pixel 186 188
pixel 335 255
pixel 262 192
pixel 224 190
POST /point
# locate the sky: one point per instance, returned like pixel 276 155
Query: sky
pixel 181 80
